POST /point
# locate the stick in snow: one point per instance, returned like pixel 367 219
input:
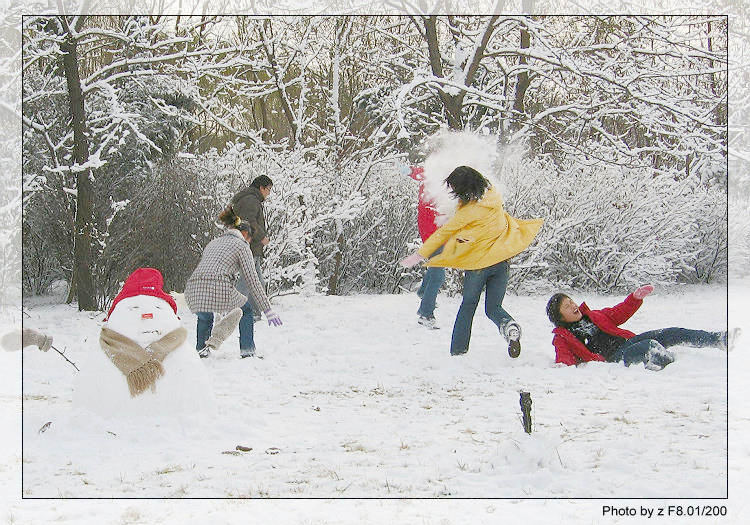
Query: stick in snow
pixel 526 411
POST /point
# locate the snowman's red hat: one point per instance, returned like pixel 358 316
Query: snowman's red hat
pixel 143 281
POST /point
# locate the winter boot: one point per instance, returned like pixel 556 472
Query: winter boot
pixel 512 334
pixel 657 357
pixel 429 322
pixel 224 328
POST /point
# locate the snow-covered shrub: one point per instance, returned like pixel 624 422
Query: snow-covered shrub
pixel 609 228
pixel 739 233
pixel 307 208
pixel 375 242
pixel 40 269
pixel 343 229
pixel 164 225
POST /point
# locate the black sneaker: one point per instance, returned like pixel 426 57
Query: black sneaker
pixel 247 352
pixel 514 348
pixel 204 352
pixel 512 333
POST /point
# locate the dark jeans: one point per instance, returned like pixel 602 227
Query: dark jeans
pixel 433 279
pixel 206 323
pixel 493 280
pixel 634 350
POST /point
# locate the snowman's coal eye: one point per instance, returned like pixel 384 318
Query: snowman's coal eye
pixel 135 307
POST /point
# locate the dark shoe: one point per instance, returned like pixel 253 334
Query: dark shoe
pixel 512 333
pixel 459 353
pixel 204 352
pixel 514 348
pixel 247 352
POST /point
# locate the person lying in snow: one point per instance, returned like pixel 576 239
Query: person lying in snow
pixel 583 334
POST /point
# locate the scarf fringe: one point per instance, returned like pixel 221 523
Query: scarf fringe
pixel 144 377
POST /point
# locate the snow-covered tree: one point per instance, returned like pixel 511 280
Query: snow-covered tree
pixel 10 205
pixel 328 107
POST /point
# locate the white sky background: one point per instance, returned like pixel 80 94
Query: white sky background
pixel 13 509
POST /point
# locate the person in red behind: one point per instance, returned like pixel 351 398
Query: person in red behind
pixel 583 334
pixel 434 276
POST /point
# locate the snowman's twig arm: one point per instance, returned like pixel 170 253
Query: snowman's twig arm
pixel 63 355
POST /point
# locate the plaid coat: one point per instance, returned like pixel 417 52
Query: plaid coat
pixel 211 286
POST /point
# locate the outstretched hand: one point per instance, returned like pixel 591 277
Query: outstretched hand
pixel 643 291
pixel 273 318
pixel 411 260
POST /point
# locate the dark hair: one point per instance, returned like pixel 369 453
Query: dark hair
pixel 231 220
pixel 553 309
pixel 262 181
pixel 467 184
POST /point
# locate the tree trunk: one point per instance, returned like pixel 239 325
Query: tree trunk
pixel 84 284
pixel 451 104
pixel 266 33
pixel 522 83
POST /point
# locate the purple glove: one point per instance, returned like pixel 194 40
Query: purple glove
pixel 411 260
pixel 273 318
pixel 643 291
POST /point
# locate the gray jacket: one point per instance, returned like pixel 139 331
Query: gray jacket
pixel 210 288
pixel 248 204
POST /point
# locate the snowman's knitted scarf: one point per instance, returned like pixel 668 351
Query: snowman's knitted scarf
pixel 141 366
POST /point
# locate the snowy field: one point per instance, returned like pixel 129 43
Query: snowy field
pixel 353 399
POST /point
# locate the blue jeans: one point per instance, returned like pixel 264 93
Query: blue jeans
pixel 493 280
pixel 244 289
pixel 433 279
pixel 634 349
pixel 206 323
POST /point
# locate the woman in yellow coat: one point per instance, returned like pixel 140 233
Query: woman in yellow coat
pixel 480 238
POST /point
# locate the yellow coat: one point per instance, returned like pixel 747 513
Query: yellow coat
pixel 480 234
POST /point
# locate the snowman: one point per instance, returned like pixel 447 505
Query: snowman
pixel 145 368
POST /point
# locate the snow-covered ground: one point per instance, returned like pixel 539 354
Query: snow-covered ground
pixel 353 399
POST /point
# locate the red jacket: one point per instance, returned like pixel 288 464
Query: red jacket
pixel 571 351
pixel 426 213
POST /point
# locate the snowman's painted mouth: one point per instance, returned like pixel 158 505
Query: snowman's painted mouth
pixel 151 331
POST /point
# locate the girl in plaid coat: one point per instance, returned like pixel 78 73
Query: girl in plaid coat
pixel 211 289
